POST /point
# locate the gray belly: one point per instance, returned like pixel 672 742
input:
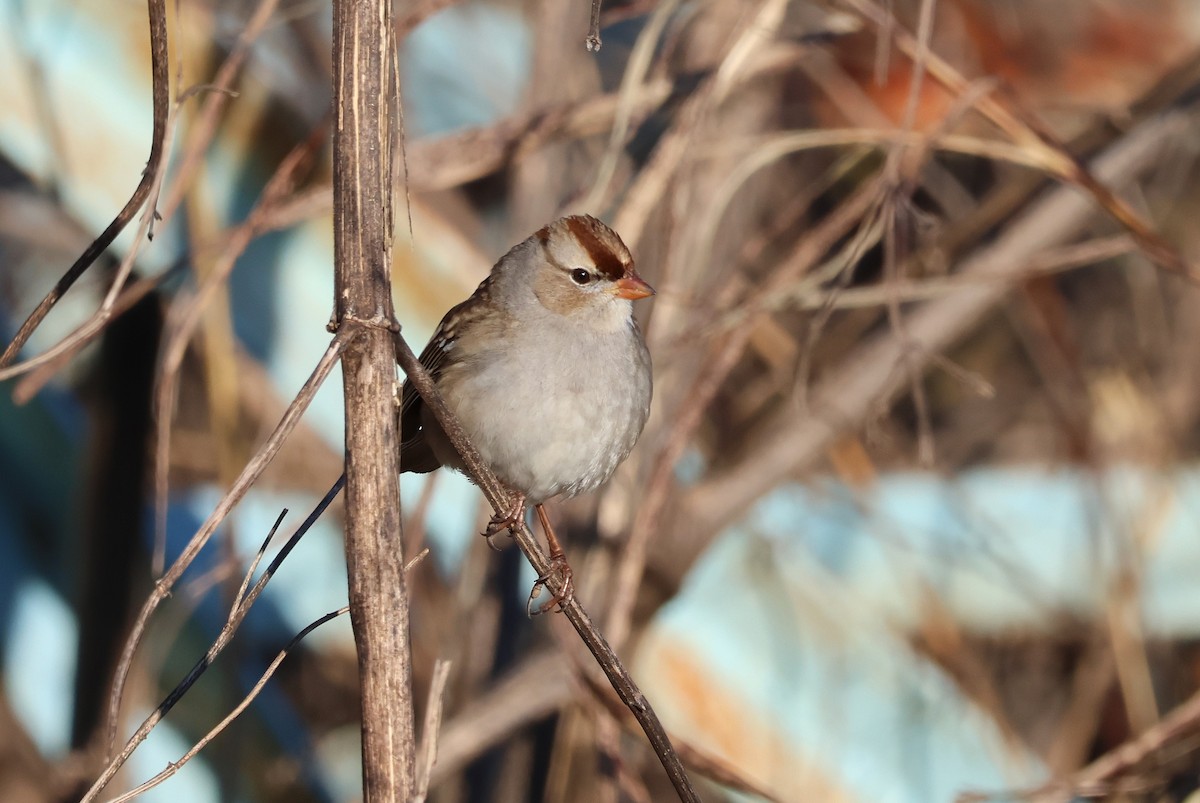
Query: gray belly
pixel 550 431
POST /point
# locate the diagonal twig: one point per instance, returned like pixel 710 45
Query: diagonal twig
pixel 427 751
pixel 241 485
pixel 201 135
pixel 724 356
pixel 1027 131
pixel 864 382
pixel 1099 777
pixel 174 766
pixel 241 606
pixel 185 317
pixel 160 79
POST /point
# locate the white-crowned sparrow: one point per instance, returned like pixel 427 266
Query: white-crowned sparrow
pixel 545 368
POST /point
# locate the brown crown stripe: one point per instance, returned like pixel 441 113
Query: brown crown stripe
pixel 608 264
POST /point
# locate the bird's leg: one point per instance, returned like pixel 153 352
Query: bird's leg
pixel 506 520
pixel 559 569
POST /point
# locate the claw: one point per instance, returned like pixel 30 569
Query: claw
pixel 505 520
pixel 561 571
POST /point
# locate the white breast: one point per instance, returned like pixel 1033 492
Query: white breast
pixel 554 414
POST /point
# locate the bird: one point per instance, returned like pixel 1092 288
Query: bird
pixel 547 371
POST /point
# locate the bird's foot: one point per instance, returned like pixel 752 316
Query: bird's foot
pixel 561 576
pixel 505 520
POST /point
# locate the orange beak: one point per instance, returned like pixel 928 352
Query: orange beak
pixel 633 287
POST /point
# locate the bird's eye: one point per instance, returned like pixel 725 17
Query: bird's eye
pixel 580 276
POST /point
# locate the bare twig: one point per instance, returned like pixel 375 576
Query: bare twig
pixel 241 606
pixel 104 315
pixel 633 87
pixel 186 316
pixel 32 383
pixel 865 381
pixel 281 213
pixel 175 766
pixel 704 387
pixel 241 485
pixel 159 70
pixel 499 498
pixel 593 37
pixel 669 154
pixel 1102 775
pixel 449 160
pixel 201 137
pixel 901 166
pixel 1030 133
pixel 704 763
pixel 763 151
pixel 205 126
pixel 235 617
pixel 1183 722
pixel 428 750
pixel 534 690
pixel 1051 261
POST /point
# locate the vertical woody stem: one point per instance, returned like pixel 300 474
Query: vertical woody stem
pixel 362 59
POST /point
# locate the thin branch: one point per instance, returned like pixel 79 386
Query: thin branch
pixel 201 137
pixel 593 37
pixel 1050 262
pixel 919 57
pixel 647 189
pixel 712 375
pixel 160 91
pixel 1032 134
pixel 499 499
pixel 902 184
pixel 175 766
pixel 713 767
pixel 1182 722
pixel 633 87
pixel 762 151
pixel 105 313
pixel 535 689
pixel 242 604
pixel 186 316
pixel 205 125
pixel 282 213
pixel 865 381
pixel 33 382
pixel 1099 777
pixel 447 161
pixel 178 692
pixel 241 485
pixel 428 749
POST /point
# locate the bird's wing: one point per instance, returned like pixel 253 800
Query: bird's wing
pixel 436 355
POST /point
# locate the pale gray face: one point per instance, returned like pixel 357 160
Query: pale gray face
pixel 587 270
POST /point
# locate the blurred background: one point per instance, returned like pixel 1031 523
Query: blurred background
pixel 915 516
